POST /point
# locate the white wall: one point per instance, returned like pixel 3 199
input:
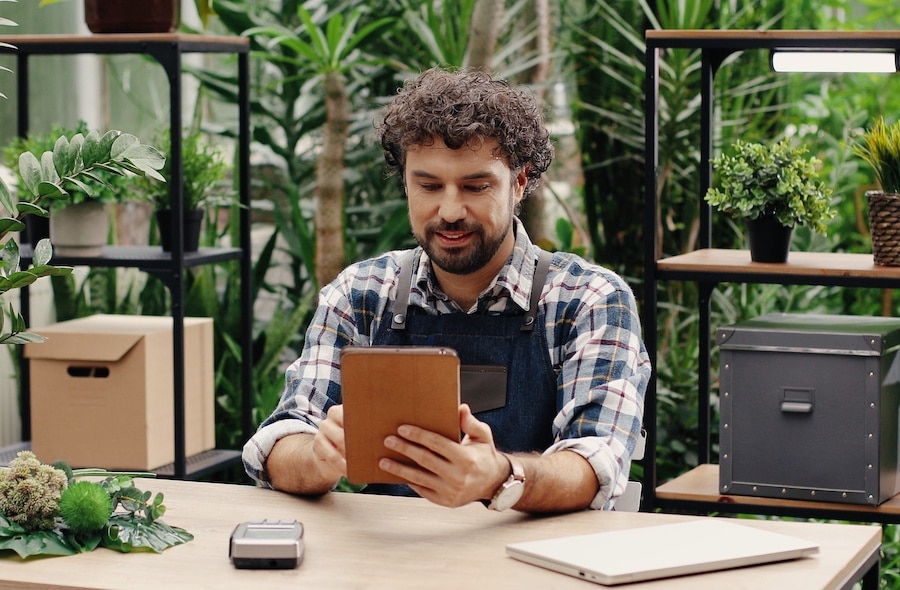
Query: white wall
pixel 41 314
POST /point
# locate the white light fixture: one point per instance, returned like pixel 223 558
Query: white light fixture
pixel 877 62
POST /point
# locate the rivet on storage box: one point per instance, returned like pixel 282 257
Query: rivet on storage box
pixel 809 408
pixel 102 391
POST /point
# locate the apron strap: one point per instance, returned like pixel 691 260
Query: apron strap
pixel 401 301
pixel 542 268
pixel 404 282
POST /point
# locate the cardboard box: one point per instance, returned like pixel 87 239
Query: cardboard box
pixel 809 408
pixel 102 391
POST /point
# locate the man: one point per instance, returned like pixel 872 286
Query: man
pixel 558 436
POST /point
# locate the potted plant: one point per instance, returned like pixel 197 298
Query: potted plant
pixel 136 16
pixel 131 16
pixel 880 148
pixel 204 171
pixel 773 187
pixel 78 224
pixel 44 180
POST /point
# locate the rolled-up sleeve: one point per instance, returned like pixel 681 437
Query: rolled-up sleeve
pixel 312 384
pixel 345 311
pixel 604 372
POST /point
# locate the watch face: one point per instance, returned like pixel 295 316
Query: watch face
pixel 509 495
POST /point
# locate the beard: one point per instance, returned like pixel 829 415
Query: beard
pixel 467 259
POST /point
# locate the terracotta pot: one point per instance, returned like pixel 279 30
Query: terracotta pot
pixel 770 241
pixel 131 16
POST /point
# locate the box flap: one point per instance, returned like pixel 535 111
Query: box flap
pixel 101 337
pixel 75 347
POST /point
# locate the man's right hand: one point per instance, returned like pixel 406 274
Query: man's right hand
pixel 310 463
pixel 328 445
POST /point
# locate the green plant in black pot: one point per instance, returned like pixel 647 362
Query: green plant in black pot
pixel 880 148
pixel 204 171
pixel 774 187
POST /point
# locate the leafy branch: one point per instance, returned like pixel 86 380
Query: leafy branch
pixel 46 179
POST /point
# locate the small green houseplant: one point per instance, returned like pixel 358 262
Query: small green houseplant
pixel 48 178
pixel 204 171
pixel 94 186
pixel 880 148
pixel 774 186
pixel 80 223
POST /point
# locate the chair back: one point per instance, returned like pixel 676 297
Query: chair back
pixel 630 500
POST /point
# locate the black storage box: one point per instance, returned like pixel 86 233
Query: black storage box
pixel 809 408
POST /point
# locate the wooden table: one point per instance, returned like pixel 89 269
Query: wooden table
pixel 362 541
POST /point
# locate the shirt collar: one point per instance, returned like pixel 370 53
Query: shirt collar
pixel 513 281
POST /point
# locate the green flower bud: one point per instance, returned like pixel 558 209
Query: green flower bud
pixel 85 507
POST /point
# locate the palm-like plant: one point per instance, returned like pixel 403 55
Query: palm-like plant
pixel 329 54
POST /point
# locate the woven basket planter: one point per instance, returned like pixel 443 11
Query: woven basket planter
pixel 884 223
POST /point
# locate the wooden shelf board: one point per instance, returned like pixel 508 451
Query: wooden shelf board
pixel 809 264
pixel 45 41
pixel 701 484
pixel 197 466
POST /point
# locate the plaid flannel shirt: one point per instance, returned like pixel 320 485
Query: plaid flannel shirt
pixel 593 334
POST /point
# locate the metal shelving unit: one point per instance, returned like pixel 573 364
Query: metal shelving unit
pixel 697 491
pixel 167 49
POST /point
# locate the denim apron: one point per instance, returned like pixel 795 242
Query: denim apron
pixel 506 375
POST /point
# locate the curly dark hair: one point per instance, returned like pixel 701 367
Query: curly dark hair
pixel 463 106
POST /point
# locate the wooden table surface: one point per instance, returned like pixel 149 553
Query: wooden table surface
pixel 364 541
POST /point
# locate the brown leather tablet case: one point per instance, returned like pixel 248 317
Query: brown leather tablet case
pixel 383 387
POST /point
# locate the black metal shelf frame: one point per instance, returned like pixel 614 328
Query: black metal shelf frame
pixel 168 50
pixel 715 47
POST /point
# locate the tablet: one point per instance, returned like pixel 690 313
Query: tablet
pixel 383 387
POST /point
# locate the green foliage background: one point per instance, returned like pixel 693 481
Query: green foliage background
pixel 596 57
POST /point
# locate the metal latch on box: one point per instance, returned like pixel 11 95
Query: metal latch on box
pixel 797 400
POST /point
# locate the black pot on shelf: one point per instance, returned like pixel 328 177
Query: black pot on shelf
pixel 770 241
pixel 36 229
pixel 192 221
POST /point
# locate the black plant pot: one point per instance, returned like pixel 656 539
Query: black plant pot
pixel 770 241
pixel 192 221
pixel 36 229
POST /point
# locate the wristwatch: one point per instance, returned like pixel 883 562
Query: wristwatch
pixel 510 491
